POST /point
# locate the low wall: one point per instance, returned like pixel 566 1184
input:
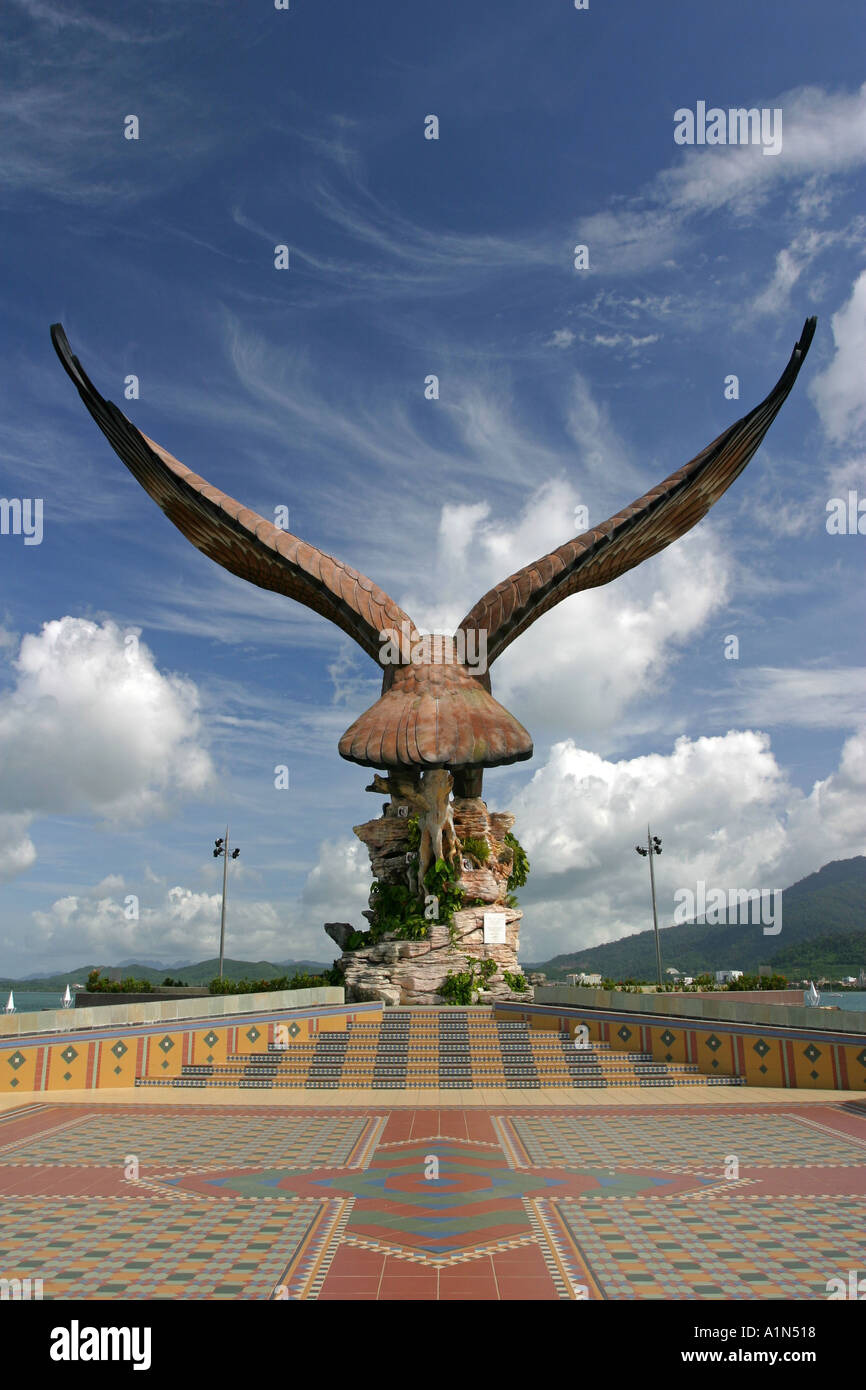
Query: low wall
pixel 793 997
pixel 769 996
pixel 102 998
pixel 818 1056
pixel 119 1015
pixel 132 1053
pixel 746 1006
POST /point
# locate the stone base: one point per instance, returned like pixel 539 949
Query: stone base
pixel 397 971
pixel 410 972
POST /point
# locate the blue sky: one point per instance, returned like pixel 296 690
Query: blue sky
pixel 146 696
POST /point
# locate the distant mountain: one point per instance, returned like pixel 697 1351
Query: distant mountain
pixel 199 974
pixel 154 964
pixel 823 927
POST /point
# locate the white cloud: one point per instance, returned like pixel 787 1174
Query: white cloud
pixel 90 726
pixel 723 807
pixel 583 663
pixel 791 262
pixel 18 851
pixel 560 338
pixel 839 392
pixel 184 922
pixel 851 474
pixel 338 883
pixel 824 133
pixel 629 340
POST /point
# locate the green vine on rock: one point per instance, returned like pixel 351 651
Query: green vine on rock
pixel 519 863
pixel 461 986
pixel 440 883
pixel 516 983
pixel 476 848
pixel 396 911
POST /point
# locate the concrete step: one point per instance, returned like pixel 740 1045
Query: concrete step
pixel 578 1057
pixel 552 1074
pixel 426 1050
pixel 410 1083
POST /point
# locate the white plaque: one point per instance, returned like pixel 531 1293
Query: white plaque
pixel 494 929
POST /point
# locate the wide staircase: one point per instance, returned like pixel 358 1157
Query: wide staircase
pixel 447 1049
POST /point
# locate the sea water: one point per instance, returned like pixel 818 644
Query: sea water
pixel 27 1000
pixel 851 999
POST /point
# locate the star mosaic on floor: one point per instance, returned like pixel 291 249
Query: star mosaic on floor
pixel 271 1203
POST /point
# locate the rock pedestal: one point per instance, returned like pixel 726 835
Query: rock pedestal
pixel 410 972
pixel 400 971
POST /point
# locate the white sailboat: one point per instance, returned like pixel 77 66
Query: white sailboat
pixel 10 1004
pixel 67 998
pixel 813 996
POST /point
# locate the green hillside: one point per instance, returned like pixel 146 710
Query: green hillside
pixel 833 956
pixel 199 974
pixel 823 929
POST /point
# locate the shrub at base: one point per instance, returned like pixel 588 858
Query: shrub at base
pixel 460 987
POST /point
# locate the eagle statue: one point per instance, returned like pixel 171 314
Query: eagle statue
pixel 436 724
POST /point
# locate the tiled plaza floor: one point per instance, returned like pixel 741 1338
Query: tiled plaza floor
pixel 381 1202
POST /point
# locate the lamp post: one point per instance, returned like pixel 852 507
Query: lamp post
pixel 653 847
pixel 221 847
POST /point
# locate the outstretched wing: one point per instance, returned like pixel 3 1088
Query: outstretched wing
pixel 637 532
pixel 237 538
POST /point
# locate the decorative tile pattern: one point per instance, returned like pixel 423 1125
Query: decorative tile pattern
pixel 757 1249
pixel 190 1139
pixel 747 1053
pixel 674 1143
pixel 276 1204
pixel 132 1249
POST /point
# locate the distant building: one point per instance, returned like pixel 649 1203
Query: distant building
pixel 584 979
pixel 726 977
pixel 673 972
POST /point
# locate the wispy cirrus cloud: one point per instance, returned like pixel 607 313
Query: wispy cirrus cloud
pixel 823 698
pixel 63 104
pixel 386 251
pixel 824 136
pixel 61 17
pixel 798 256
